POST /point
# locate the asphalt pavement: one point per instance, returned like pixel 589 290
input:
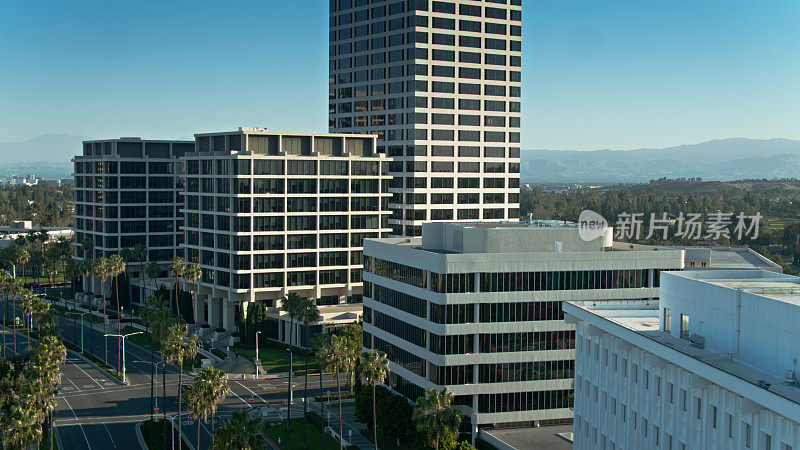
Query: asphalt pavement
pixel 94 411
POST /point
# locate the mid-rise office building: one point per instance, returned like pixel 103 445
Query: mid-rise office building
pixel 439 82
pixel 271 213
pixel 128 191
pixel 714 365
pixel 477 308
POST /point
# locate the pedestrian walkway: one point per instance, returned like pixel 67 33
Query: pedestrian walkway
pixel 350 428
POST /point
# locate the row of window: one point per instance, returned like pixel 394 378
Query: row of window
pixel 526 371
pixel 448 183
pixel 526 342
pixel 525 401
pixel 568 280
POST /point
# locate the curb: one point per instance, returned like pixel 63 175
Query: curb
pixel 139 436
pixel 58 437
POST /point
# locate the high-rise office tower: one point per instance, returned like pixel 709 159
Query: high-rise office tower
pixel 439 83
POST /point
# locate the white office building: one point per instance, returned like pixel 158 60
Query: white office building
pixel 713 366
pixel 439 83
pixel 477 308
pixel 268 214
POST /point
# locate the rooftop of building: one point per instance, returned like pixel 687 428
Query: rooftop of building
pixel 263 131
pixel 714 256
pixel 549 437
pixel 767 284
pixel 641 325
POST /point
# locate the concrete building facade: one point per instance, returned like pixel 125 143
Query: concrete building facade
pixel 129 191
pixel 713 366
pixel 477 308
pixel 271 213
pixel 439 83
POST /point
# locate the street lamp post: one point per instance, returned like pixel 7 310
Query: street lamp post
pixel 256 361
pixel 82 326
pixel 289 403
pixel 123 337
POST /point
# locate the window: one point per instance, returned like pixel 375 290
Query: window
pixel 684 326
pixel 748 434
pixel 667 319
pixel 683 400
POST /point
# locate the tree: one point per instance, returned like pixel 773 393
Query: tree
pixel 5 280
pixel 207 390
pixel 156 316
pixel 192 273
pixel 363 404
pixel 337 357
pixel 177 346
pixel 291 304
pixel 176 268
pixel 152 271
pixel 137 254
pixel 353 335
pixel 394 415
pixel 435 417
pixel 307 313
pixel 116 265
pixel 21 427
pixel 238 432
pixel 87 245
pixel 26 299
pixel 374 370
pixel 21 258
pixel 102 271
pixel 14 288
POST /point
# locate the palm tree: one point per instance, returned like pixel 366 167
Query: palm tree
pixel 176 268
pixel 337 358
pixel 176 347
pixel 238 432
pixel 5 280
pixel 307 313
pixel 155 316
pixel 27 299
pixel 116 266
pixel 102 271
pixel 87 244
pixel 14 289
pixel 21 427
pixel 435 416
pixel 152 270
pixel 22 258
pixel 208 389
pixel 374 370
pixel 291 304
pixel 136 254
pixel 192 272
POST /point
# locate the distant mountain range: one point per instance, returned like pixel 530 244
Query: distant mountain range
pixel 46 156
pixel 723 159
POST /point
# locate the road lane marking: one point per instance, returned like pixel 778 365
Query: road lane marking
pixel 84 372
pixel 254 394
pixel 79 425
pixel 109 436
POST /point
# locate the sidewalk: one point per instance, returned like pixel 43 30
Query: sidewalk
pixel 349 425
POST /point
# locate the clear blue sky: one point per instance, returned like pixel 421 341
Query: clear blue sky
pixel 596 74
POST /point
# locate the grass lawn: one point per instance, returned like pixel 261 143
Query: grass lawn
pixel 141 340
pixel 294 439
pixel 275 360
